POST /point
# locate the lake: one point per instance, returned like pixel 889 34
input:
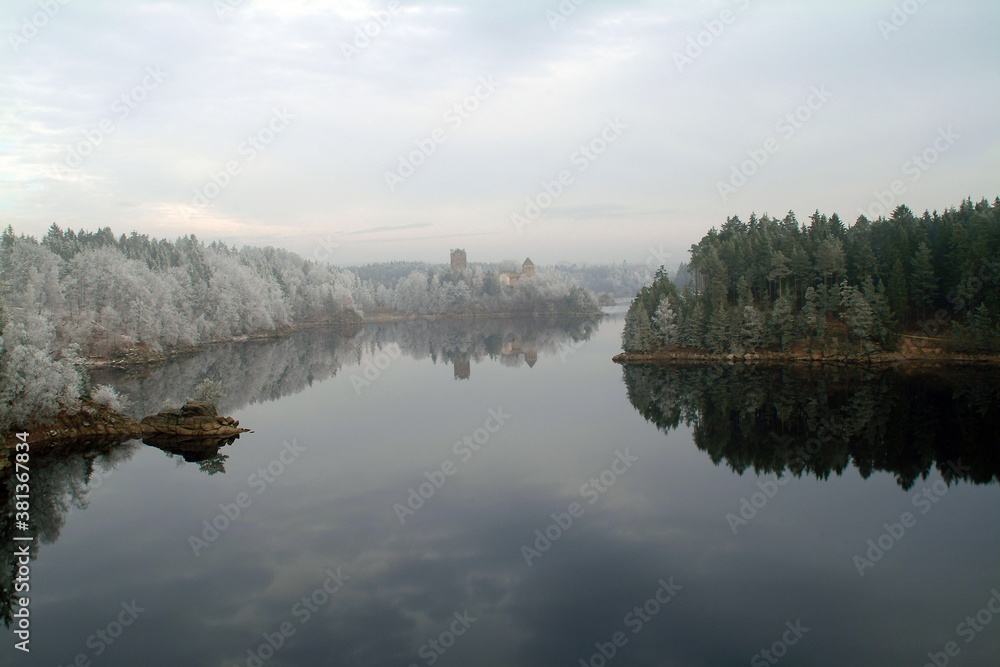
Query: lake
pixel 501 493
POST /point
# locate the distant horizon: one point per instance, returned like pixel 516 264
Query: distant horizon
pixel 654 257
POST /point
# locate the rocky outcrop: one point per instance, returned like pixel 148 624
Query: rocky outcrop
pixel 91 422
pixel 197 425
pixel 196 420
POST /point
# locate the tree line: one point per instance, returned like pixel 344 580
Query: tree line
pixel 768 284
pixel 90 293
pixel 76 294
pixel 433 291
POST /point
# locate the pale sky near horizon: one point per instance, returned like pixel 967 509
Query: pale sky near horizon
pixel 128 114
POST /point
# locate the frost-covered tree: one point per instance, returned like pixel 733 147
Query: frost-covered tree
pixel 38 377
pixel 107 395
pixel 665 323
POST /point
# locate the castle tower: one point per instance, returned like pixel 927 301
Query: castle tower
pixel 458 262
pixel 528 268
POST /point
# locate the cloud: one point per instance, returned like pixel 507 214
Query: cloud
pixel 387 228
pixel 356 117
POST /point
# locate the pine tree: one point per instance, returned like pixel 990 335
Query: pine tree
pixel 882 328
pixel 781 324
pixel 779 270
pixel 693 328
pixel 644 335
pixel 984 329
pixel 809 315
pixel 896 292
pixel 717 336
pixel 753 327
pixel 923 284
pixel 638 334
pixel 857 315
pixel 800 266
pixel 665 323
pixel 830 259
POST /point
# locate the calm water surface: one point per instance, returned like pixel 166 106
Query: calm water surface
pixel 503 494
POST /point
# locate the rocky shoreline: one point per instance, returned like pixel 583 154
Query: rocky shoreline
pixel 683 356
pixel 197 421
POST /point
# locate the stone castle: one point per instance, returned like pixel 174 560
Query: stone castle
pixel 459 262
pixel 510 277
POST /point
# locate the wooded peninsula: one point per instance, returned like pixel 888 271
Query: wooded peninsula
pixel 770 289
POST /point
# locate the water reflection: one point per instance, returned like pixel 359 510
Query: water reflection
pixel 253 372
pixel 256 372
pixel 820 421
pixel 514 342
pixel 665 519
pixel 59 483
pixel 250 372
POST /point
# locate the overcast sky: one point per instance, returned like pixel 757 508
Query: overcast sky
pixel 338 124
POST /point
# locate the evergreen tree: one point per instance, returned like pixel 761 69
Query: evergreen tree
pixel 638 334
pixel 781 324
pixel 896 292
pixel 858 315
pixel 665 323
pixel 882 329
pixel 830 259
pixel 693 327
pixel 801 270
pixel 717 336
pixel 984 329
pixel 899 270
pixel 809 316
pixel 779 270
pixel 753 327
pixel 923 284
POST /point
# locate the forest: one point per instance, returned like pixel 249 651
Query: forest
pixel 770 284
pixel 91 294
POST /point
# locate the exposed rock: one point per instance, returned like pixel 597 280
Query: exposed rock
pixel 94 422
pixel 89 422
pixel 195 420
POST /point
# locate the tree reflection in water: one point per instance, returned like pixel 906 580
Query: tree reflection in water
pixel 249 372
pixel 818 421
